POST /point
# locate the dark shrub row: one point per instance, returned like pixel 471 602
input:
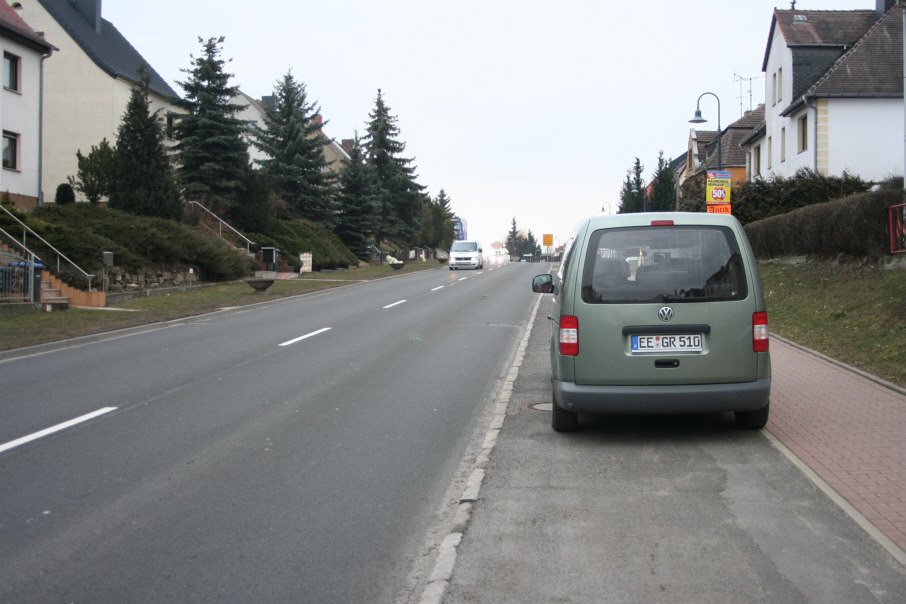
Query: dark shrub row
pixel 856 227
pixel 83 231
pixel 293 237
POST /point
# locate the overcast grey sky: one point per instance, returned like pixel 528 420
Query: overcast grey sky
pixel 516 108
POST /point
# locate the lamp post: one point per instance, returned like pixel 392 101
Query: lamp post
pixel 698 119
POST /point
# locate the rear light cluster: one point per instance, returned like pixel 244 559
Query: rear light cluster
pixel 569 336
pixel 760 332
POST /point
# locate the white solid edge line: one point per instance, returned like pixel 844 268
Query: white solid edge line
pixel 27 439
pixel 306 336
pixel 438 287
pixel 397 303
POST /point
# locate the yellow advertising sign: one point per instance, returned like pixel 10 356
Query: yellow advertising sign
pixel 547 240
pixel 718 192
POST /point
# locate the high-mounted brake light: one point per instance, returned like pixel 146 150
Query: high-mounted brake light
pixel 760 332
pixel 661 223
pixel 569 336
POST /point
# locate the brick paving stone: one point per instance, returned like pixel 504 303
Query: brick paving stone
pixel 849 429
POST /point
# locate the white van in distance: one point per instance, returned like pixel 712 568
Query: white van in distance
pixel 466 254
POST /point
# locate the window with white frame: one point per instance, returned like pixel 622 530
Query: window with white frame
pixel 779 84
pixel 774 88
pixel 783 144
pixel 10 150
pixel 10 71
pixel 770 152
pixel 756 161
pixel 802 134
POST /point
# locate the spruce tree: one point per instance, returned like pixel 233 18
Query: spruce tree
pixel 531 245
pixel 357 202
pixel 213 156
pixel 294 144
pixel 399 194
pixel 441 217
pixel 663 191
pixel 144 181
pixel 512 240
pixel 632 196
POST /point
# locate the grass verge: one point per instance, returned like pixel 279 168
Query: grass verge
pixel 853 313
pixel 38 328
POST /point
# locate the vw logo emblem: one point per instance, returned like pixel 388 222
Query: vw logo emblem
pixel 665 313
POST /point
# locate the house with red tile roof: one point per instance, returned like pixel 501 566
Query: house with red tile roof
pixel 833 94
pixel 24 52
pixel 88 83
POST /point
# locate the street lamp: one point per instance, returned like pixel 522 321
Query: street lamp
pixel 698 119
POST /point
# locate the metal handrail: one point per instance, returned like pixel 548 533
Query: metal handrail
pixel 32 292
pixel 59 254
pixel 222 223
pixel 21 245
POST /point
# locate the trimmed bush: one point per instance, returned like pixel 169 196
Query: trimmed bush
pixel 856 227
pixel 64 195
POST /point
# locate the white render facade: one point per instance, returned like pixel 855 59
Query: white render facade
pixel 830 129
pixel 83 104
pixel 20 117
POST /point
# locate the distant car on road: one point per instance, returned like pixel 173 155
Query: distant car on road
pixel 466 254
pixel 658 313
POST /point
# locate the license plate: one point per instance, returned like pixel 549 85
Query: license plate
pixel 667 343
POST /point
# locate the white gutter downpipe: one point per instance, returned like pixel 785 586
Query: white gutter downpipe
pixel 41 126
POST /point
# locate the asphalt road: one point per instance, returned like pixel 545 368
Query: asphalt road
pixel 297 452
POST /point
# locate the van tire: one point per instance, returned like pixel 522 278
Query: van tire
pixel 753 420
pixel 563 420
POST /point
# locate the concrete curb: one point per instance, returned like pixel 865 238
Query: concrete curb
pixel 439 580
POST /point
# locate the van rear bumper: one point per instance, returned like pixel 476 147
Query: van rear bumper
pixel 684 398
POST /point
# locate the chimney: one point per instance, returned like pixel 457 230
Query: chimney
pixel 91 10
pixel 317 119
pixel 882 6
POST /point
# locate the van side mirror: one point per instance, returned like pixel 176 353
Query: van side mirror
pixel 543 284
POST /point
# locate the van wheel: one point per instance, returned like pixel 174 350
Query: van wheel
pixel 753 420
pixel 563 420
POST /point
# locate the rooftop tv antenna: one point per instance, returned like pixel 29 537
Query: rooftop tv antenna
pixel 745 90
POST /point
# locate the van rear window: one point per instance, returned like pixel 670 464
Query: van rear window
pixel 663 264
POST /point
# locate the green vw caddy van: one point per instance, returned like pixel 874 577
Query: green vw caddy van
pixel 658 313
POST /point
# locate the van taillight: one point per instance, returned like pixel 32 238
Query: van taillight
pixel 569 336
pixel 661 223
pixel 760 332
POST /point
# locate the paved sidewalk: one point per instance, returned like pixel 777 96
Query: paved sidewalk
pixel 686 509
pixel 847 428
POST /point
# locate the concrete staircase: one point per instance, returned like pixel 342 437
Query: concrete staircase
pixel 54 290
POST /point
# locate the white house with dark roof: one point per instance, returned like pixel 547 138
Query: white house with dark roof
pixel 24 53
pixel 88 83
pixel 833 94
